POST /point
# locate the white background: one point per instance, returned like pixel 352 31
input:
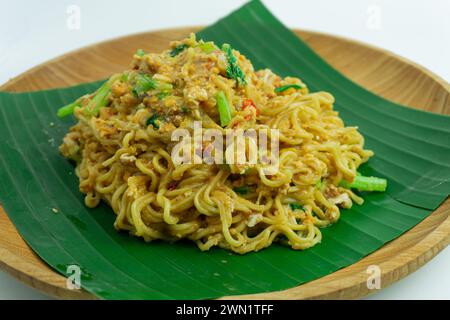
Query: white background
pixel 32 32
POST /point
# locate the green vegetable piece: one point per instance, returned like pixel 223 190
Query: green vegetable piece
pixel 319 184
pixel 363 183
pixel 152 121
pixel 184 109
pixel 286 87
pixel 124 77
pixel 224 109
pixel 67 109
pixel 175 51
pixel 162 95
pixel 100 100
pixel 241 190
pixel 207 47
pixel 233 69
pixel 143 83
pixel 140 52
pixel 296 206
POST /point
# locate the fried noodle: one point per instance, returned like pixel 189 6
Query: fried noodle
pixel 123 153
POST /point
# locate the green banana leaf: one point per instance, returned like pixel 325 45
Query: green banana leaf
pixel 412 151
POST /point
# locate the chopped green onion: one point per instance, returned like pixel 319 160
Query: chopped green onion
pixel 100 100
pixel 286 87
pixel 67 109
pixel 296 206
pixel 363 183
pixel 162 95
pixel 224 109
pixel 207 47
pixel 233 69
pixel 152 121
pixel 241 190
pixel 175 51
pixel 140 52
pixel 143 83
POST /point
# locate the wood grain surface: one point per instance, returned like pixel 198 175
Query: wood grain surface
pixel 380 71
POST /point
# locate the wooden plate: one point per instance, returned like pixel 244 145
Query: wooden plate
pixel 379 71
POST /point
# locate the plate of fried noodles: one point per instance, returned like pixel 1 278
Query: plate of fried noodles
pixel 123 147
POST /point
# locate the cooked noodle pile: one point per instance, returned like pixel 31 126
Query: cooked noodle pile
pixel 122 146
